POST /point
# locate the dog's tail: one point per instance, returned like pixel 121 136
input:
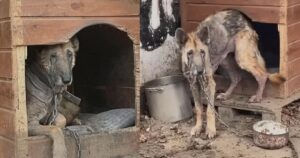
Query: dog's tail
pixel 276 78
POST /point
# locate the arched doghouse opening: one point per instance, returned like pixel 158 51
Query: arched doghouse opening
pixel 104 71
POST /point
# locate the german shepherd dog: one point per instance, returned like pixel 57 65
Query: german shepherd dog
pixel 203 51
pixel 47 76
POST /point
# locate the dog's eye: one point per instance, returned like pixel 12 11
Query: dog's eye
pixel 69 53
pixel 53 56
pixel 189 53
pixel 202 51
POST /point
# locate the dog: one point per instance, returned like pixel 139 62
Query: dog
pixel 224 39
pixel 48 74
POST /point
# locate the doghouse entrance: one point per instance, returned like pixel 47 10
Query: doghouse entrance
pixel 269 44
pixel 104 71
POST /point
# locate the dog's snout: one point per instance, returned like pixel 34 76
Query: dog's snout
pixel 66 79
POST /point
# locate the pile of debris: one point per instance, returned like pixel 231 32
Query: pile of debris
pixel 291 114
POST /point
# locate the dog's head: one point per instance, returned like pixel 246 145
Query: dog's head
pixel 58 61
pixel 194 49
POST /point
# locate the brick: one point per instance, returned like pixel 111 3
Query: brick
pixel 7 124
pixel 7 148
pixel 5 64
pixel 6 95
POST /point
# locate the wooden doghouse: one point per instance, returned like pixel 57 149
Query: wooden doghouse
pixel 277 23
pixel 41 22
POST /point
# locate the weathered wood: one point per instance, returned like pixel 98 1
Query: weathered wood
pixel 5 34
pixel 294 51
pixel 83 8
pixel 293 14
pixel 107 144
pixel 293 32
pixel 7 148
pixel 294 84
pixel 6 95
pixel 6 64
pixel 238 2
pixel 198 12
pixel 7 124
pixel 4 9
pixel 58 30
pixel 293 2
pixel 293 68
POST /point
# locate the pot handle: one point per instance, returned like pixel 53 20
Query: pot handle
pixel 158 90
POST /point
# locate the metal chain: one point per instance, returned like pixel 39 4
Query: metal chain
pixel 77 140
pixel 202 81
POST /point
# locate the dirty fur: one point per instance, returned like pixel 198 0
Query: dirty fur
pixel 47 75
pixel 224 39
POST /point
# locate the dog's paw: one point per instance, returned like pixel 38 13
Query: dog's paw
pixel 255 99
pixel 196 131
pixel 211 133
pixel 222 96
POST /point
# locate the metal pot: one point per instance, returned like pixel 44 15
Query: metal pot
pixel 270 134
pixel 168 98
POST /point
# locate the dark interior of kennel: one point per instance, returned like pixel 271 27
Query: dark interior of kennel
pixel 103 76
pixel 268 44
pixel 104 70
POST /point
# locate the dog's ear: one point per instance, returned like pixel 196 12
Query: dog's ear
pixel 75 42
pixel 180 37
pixel 203 35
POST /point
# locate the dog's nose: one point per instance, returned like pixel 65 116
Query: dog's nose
pixel 66 80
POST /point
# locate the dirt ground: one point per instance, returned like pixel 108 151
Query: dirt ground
pixel 172 140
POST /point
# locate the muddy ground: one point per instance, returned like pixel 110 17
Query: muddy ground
pixel 172 140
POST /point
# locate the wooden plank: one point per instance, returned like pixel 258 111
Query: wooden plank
pixel 41 8
pixel 238 2
pixel 6 95
pixel 198 12
pixel 5 34
pixel 293 14
pixel 51 31
pixel 294 32
pixel 294 85
pixel 7 148
pixel 21 126
pixel 293 2
pixel 115 143
pixel 5 64
pixel 294 51
pixel 7 124
pixel 283 68
pixel 190 26
pixel 293 68
pixel 4 9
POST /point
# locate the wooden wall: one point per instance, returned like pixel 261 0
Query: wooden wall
pixel 193 11
pixel 7 106
pixel 293 42
pixel 35 22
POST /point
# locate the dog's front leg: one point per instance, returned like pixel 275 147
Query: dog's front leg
pixel 56 134
pixel 210 114
pixel 198 107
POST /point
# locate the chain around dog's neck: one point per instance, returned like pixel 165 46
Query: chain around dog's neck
pixel 46 84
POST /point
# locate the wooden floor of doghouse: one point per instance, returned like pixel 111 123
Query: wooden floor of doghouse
pixel 268 105
pixel 115 143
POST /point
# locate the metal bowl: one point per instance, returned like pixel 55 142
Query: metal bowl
pixel 270 134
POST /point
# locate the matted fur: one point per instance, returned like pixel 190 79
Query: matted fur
pixel 203 51
pixel 46 78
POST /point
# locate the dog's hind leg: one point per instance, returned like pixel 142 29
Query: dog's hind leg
pixel 249 58
pixel 234 72
pixel 198 107
pixel 210 114
pixel 56 134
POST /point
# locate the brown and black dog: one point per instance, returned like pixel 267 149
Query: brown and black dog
pixel 204 50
